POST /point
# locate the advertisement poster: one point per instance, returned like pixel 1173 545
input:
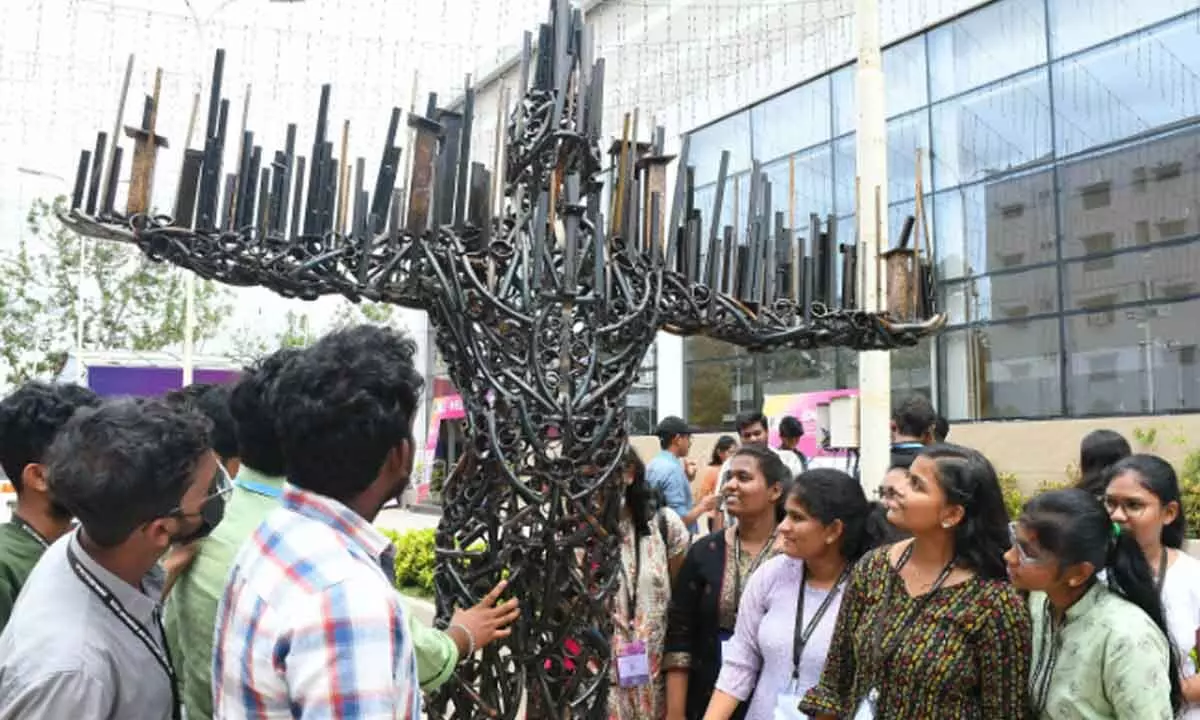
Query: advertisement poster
pixel 803 407
pixel 446 407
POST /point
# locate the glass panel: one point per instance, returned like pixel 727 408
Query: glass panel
pixel 993 226
pixel 797 119
pixel 906 85
pixel 994 42
pixel 640 404
pixel 910 370
pixel 904 136
pixel 1137 195
pixel 1078 24
pixel 993 130
pixel 704 150
pixel 1007 296
pixel 794 371
pixel 844 173
pixel 717 392
pixel 1166 273
pixel 811 172
pixel 1117 91
pixel 1001 371
pixel 698 348
pixel 1142 360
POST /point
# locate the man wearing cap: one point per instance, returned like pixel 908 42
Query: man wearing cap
pixel 666 476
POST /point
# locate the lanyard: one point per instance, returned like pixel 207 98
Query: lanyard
pixel 1046 663
pixel 258 488
pixel 804 632
pixel 737 563
pixel 883 654
pixel 31 531
pixel 161 654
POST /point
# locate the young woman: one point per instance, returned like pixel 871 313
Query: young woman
pixel 928 627
pixel 706 480
pixel 1143 498
pixel 652 548
pixel 1098 451
pixel 714 576
pixel 1100 649
pixel 791 603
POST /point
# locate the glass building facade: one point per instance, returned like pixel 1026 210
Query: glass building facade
pixel 1061 171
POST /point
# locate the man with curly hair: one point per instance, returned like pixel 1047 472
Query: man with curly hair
pixel 30 418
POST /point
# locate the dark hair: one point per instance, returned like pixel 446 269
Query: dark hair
pixel 1158 477
pixel 665 439
pixel 212 401
pixel 747 419
pixel 724 443
pixel 790 427
pixel 342 405
pixel 1074 526
pixel 1098 451
pixel 969 481
pixel 829 495
pixel 250 406
pixel 30 418
pixel 941 429
pixel 639 498
pixel 773 470
pixel 914 417
pixel 125 463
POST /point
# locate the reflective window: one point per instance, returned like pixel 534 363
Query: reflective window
pixel 1079 24
pixel 810 175
pixel 905 136
pixel 640 403
pixel 910 370
pixel 698 348
pixel 845 94
pixel 1001 371
pixel 796 371
pixel 995 130
pixel 997 225
pixel 1164 273
pixel 706 144
pixel 1007 296
pixel 797 119
pixel 906 85
pixel 718 391
pixel 997 41
pixel 1139 360
pixel 1146 81
pixel 1138 195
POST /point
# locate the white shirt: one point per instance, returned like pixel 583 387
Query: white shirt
pixel 1181 599
pixel 789 458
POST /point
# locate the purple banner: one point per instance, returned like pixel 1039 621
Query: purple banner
pixel 148 381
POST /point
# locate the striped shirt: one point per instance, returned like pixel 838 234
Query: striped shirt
pixel 310 625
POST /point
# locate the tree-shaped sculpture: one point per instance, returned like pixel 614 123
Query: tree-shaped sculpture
pixel 542 312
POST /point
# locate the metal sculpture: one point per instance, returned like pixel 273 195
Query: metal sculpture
pixel 542 314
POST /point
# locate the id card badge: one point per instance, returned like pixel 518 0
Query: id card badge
pixel 633 665
pixel 787 706
pixel 725 637
pixel 866 706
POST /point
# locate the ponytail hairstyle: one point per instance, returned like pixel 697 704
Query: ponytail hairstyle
pixel 969 481
pixel 1159 478
pixel 773 470
pixel 1098 451
pixel 830 495
pixel 1074 526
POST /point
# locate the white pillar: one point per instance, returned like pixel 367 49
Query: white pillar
pixel 874 368
pixel 189 326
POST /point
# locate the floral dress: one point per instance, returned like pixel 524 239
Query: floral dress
pixel 647 702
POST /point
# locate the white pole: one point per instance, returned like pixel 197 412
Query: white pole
pixel 79 300
pixel 189 325
pixel 874 368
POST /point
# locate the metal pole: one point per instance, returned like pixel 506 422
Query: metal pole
pixel 874 368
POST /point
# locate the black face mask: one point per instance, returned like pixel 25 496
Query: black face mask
pixel 211 513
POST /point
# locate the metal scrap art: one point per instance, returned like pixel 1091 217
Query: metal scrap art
pixel 543 308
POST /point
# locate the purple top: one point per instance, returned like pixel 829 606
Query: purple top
pixel 758 658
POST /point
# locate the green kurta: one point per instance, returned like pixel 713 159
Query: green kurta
pixel 1112 661
pixel 19 552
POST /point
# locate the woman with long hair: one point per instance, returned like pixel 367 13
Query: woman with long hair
pixel 1098 451
pixel 704 606
pixel 791 603
pixel 1143 498
pixel 928 626
pixel 652 546
pixel 1100 648
pixel 706 480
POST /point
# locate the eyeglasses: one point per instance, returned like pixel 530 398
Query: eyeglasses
pixel 1131 507
pixel 222 485
pixel 1022 555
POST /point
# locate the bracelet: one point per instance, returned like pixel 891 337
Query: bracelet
pixel 470 638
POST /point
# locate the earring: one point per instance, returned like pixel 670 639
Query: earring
pixel 946 524
pixel 828 541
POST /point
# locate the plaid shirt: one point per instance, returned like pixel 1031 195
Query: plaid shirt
pixel 310 625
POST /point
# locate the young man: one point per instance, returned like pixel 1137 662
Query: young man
pixel 913 424
pixel 666 475
pixel 790 432
pixel 84 637
pixel 753 429
pixel 310 624
pixel 30 418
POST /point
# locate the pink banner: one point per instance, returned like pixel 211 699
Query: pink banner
pixel 446 407
pixel 803 407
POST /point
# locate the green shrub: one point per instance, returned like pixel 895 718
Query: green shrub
pixel 1014 499
pixel 416 560
pixel 1189 490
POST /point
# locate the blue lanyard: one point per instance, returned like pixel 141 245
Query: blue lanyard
pixel 259 488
